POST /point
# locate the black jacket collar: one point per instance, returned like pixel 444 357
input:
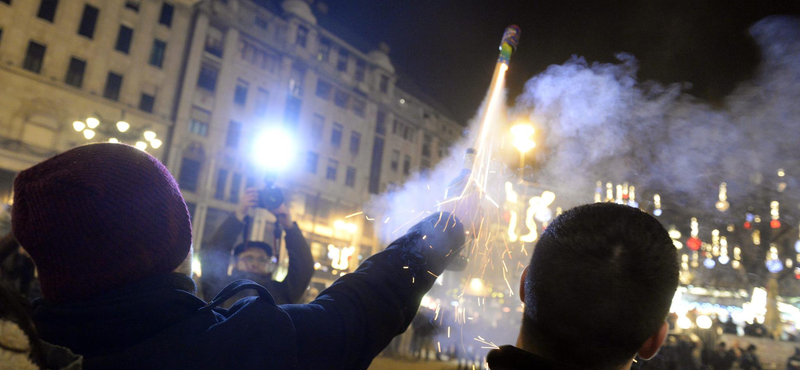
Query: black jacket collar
pixel 513 358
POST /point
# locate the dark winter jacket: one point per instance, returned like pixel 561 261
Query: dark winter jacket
pixel 160 324
pixel 793 363
pixel 513 358
pixel 215 258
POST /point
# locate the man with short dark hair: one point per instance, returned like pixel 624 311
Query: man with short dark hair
pixel 597 292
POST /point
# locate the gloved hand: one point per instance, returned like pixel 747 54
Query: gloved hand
pixel 432 244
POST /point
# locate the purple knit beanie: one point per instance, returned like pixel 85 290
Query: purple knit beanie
pixel 98 217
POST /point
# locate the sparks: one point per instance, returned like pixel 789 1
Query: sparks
pixel 354 214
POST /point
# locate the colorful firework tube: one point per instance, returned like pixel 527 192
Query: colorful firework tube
pixel 509 43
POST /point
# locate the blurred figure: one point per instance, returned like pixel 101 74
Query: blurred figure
pixel 111 237
pixel 749 359
pixel 423 331
pixel 793 363
pixel 613 258
pixel 722 358
pixel 254 260
pixel 17 269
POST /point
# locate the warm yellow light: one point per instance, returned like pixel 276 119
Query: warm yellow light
pixel 78 126
pixel 684 323
pixel 141 145
pixel 92 122
pixel 155 143
pixel 149 135
pixel 113 140
pixel 88 134
pixel 476 284
pixel 522 140
pixel 704 322
pixel 123 126
pixel 522 129
pixel 674 233
pixel 197 269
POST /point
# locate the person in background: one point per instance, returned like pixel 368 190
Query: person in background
pixel 111 237
pixel 17 269
pixel 749 359
pixel 723 358
pixel 793 363
pixel 615 260
pixel 254 260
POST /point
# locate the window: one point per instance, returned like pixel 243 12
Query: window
pixel 406 165
pixel 359 107
pixel 222 179
pixel 88 21
pixel 234 131
pixel 340 99
pixel 426 145
pixel 311 162
pixel 190 171
pixel 236 183
pixel 317 127
pixel 302 36
pixel 199 120
pixel 208 78
pixel 336 135
pixel 355 142
pixel 297 79
pixel 262 98
pixel 146 103
pixel 113 85
pixel 166 14
pixel 198 127
pixel 395 126
pixel 215 41
pixel 324 89
pixel 361 69
pixel 261 23
pixel 395 160
pixel 324 51
pixel 157 54
pixel 384 85
pixel 375 166
pixel 132 5
pixel 124 37
pixel 47 10
pixel 341 64
pixel 292 114
pixel 380 123
pixel 75 72
pixel 34 57
pixel 240 95
pixel 330 173
pixel 350 177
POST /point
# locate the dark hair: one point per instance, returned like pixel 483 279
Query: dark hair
pixel 239 249
pixel 600 282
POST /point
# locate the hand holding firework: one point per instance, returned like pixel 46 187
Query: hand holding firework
pixel 432 244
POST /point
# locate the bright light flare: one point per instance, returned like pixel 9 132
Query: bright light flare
pixel 273 149
pixel 704 322
pixel 155 143
pixel 113 140
pixel 78 126
pixel 92 122
pixel 149 135
pixel 123 126
pixel 88 134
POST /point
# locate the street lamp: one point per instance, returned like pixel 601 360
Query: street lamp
pixel 93 125
pixel 522 133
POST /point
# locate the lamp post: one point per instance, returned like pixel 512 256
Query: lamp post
pixel 521 133
pixel 116 133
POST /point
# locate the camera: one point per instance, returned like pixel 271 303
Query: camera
pixel 270 197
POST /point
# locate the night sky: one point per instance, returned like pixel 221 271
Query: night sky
pixel 449 47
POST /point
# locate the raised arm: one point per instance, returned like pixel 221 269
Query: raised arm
pixel 301 264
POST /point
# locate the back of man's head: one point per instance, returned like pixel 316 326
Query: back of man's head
pixel 600 283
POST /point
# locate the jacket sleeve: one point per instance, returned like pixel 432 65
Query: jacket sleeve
pixel 301 266
pixel 215 256
pixel 356 318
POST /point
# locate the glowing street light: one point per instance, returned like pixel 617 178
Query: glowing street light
pixel 155 143
pixel 522 133
pixel 92 122
pixel 149 135
pixel 78 126
pixel 123 126
pixel 141 145
pixel 88 134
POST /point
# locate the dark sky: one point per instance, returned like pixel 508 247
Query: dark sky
pixel 449 47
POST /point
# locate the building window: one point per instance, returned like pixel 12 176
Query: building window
pixel 215 42
pixel 199 119
pixel 34 57
pixel 384 85
pixel 297 79
pixel 380 123
pixel 146 103
pixel 395 127
pixel 234 132
pixel 317 127
pixel 189 173
pixel 113 85
pixel 406 165
pixel 330 173
pixel 336 135
pixel 324 89
pixel 240 95
pixel 236 183
pixel 359 107
pixel 88 21
pixel 341 63
pixel 302 36
pixel 291 117
pixel 157 54
pixel 361 69
pixel 124 37
pixel 340 98
pixel 47 10
pixel 375 166
pixel 355 142
pixel 311 162
pixel 426 145
pixel 350 177
pixel 132 5
pixel 395 160
pixel 207 78
pixel 324 51
pixel 222 179
pixel 261 23
pixel 262 98
pixel 75 72
pixel 166 14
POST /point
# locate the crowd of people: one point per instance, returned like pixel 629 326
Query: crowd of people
pixel 110 237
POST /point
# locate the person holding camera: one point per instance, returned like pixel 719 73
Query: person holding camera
pixel 253 260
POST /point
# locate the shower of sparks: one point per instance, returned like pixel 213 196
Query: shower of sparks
pixel 354 214
pixel 486 343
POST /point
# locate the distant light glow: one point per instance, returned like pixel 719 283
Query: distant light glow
pixel 155 143
pixel 709 263
pixel 78 126
pixel 149 135
pixel 657 212
pixel 141 145
pixel 674 233
pixel 197 269
pixel 88 134
pixel 724 259
pixel 684 323
pixel 273 149
pixel 704 322
pixel 92 122
pixel 476 284
pixel 123 126
pixel 113 140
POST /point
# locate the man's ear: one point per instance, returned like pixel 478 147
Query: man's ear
pixel 522 283
pixel 652 344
